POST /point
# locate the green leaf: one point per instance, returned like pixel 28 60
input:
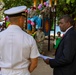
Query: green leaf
pixel 68 1
pixel 72 1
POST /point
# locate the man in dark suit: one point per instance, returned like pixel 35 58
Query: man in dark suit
pixel 64 62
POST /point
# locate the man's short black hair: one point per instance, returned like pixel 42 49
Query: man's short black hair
pixel 67 18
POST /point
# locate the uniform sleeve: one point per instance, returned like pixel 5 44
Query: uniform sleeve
pixel 34 50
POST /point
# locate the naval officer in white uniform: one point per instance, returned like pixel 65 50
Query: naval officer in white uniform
pixel 18 50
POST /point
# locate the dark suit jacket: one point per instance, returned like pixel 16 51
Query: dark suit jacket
pixel 65 58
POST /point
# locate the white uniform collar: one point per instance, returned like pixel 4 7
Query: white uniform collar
pixel 14 26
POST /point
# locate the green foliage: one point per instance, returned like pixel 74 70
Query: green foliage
pixel 12 3
pixel 63 6
pixel 66 7
pixel 70 1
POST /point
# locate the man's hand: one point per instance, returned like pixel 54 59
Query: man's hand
pixel 33 64
pixel 46 61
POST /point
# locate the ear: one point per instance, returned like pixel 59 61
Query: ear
pixel 69 24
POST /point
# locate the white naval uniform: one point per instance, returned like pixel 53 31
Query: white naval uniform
pixel 16 47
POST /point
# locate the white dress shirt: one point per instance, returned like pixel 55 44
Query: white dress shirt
pixel 68 29
pixel 16 47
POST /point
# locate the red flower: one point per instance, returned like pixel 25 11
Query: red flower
pixel 33 8
pixel 29 21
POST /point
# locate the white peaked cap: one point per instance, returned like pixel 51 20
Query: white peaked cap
pixel 15 10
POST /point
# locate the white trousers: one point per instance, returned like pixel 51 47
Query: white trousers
pixel 14 71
